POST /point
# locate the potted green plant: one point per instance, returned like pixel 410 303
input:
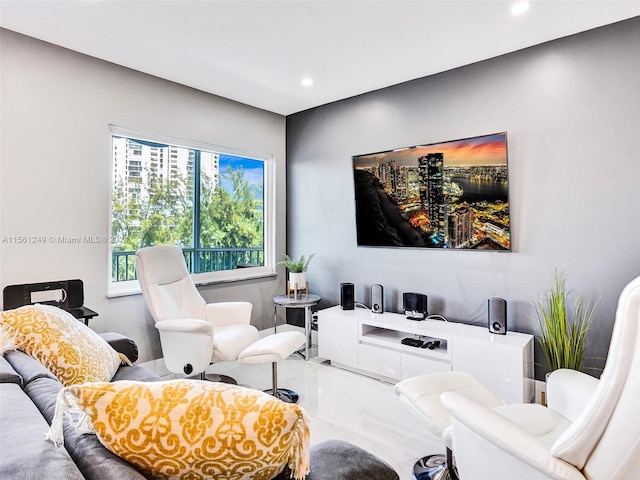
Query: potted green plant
pixel 563 334
pixel 297 270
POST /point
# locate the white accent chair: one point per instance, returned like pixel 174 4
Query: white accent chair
pixel 590 429
pixel 193 334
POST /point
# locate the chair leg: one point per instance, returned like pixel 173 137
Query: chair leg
pixel 453 471
pixel 214 377
pixel 287 396
pixel 436 467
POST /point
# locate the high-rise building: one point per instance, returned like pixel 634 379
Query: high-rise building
pixel 136 163
pixel 393 176
pixel 431 173
pixel 460 227
pixel 402 184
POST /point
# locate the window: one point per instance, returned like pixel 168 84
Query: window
pixel 214 203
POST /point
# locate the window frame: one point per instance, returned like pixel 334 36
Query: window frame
pixel 132 287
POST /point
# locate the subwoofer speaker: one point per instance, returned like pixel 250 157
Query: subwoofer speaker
pixel 377 298
pixel 347 296
pixel 497 316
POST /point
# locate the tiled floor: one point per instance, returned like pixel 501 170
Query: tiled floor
pixel 347 406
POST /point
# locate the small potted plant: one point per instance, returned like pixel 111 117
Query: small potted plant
pixel 297 271
pixel 562 335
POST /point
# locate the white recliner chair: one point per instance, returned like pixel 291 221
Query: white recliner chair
pixel 193 334
pixel 590 430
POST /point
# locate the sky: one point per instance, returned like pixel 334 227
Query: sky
pixel 253 169
pixel 483 150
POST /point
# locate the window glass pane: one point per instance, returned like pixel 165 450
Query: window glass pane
pixel 210 204
pixel 231 213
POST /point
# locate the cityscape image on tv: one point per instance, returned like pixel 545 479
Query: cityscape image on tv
pixel 451 194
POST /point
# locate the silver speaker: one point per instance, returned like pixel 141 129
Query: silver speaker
pixel 377 299
pixel 497 316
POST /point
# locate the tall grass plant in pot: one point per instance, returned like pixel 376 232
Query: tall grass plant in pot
pixel 562 333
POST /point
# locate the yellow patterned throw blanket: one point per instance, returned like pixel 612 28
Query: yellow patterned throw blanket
pixel 190 429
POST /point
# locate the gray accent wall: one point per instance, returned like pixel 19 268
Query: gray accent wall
pixel 55 154
pixel 571 109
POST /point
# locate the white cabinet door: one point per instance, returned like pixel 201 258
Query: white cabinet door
pixel 396 365
pixel 338 337
pixel 382 362
pixel 412 366
pixel 497 365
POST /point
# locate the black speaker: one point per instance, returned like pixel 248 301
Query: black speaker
pixel 377 298
pixel 347 296
pixel 497 317
pixel 414 305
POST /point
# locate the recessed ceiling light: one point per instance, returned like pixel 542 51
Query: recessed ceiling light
pixel 307 82
pixel 520 7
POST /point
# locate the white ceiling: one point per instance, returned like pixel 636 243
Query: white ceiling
pixel 257 52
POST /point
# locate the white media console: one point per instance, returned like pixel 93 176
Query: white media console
pixel 371 343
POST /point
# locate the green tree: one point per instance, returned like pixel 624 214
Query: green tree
pixel 158 212
pixel 161 211
pixel 234 217
pixel 120 217
pixel 166 215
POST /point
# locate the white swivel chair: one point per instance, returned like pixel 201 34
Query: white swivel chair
pixel 193 334
pixel 590 429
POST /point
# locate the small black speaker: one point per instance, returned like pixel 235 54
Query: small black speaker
pixel 414 305
pixel 347 296
pixel 377 298
pixel 497 317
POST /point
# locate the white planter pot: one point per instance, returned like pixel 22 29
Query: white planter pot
pixel 297 281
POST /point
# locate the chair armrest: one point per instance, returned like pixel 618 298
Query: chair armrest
pixel 569 391
pixel 488 445
pixel 186 325
pixel 228 313
pixel 122 344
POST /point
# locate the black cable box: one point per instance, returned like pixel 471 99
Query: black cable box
pixel 412 342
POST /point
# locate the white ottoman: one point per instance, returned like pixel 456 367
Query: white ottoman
pixel 421 395
pixel 274 348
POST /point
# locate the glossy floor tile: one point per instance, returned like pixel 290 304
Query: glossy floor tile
pixel 348 406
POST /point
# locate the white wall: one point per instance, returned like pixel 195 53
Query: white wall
pixel 56 106
pixel 572 112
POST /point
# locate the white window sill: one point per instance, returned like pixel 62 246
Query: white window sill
pixel 132 287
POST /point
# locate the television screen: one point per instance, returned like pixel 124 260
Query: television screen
pixel 452 194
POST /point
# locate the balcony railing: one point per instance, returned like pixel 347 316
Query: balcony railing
pixel 123 265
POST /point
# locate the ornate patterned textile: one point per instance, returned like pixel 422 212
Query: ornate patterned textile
pixel 7 342
pixel 191 429
pixel 69 349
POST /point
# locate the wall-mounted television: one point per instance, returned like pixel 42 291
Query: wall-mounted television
pixel 446 195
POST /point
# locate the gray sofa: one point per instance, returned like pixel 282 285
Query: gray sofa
pixel 28 394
